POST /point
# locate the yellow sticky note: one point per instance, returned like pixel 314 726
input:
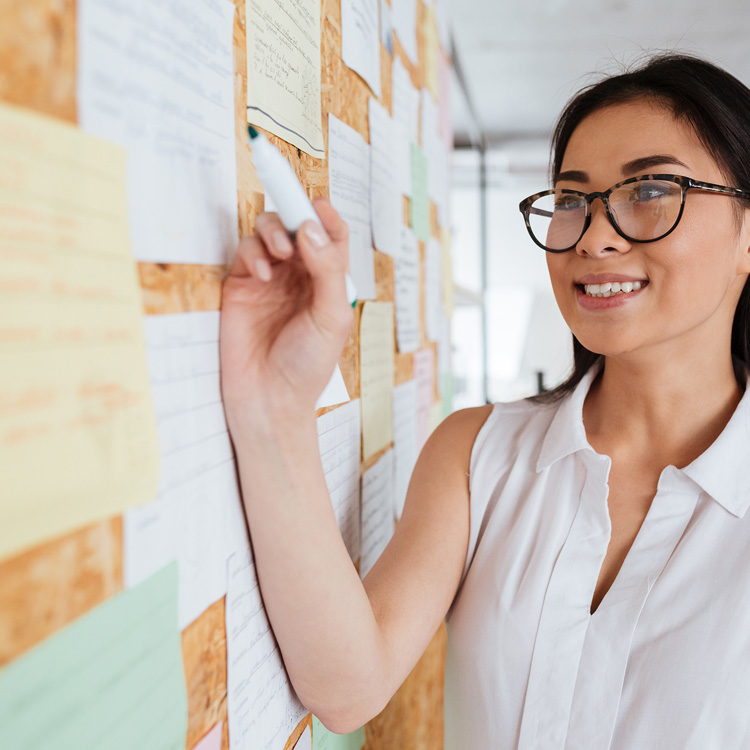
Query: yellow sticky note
pixel 78 436
pixel 376 356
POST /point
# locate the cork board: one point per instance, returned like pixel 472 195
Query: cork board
pixel 49 586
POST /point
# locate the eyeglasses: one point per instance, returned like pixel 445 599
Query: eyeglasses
pixel 641 209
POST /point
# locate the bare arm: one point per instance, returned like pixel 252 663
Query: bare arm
pixel 347 644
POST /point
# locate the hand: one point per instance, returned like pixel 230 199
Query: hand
pixel 284 316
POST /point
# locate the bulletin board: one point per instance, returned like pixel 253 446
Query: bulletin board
pixel 52 584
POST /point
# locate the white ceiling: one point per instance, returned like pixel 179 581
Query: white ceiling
pixel 523 60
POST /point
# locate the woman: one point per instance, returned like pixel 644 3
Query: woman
pixel 590 548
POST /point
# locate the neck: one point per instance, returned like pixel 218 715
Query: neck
pixel 661 406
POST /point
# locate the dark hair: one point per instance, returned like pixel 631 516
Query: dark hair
pixel 717 107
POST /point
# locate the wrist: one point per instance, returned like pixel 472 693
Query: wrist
pixel 264 421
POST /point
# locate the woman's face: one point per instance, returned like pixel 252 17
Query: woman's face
pixel 690 280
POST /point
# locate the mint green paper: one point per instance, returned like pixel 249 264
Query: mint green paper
pixel 419 206
pixel 323 739
pixel 112 679
pixel 447 394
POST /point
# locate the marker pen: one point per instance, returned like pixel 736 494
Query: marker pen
pixel 289 197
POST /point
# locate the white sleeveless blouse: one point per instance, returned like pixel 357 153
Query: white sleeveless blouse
pixel 664 662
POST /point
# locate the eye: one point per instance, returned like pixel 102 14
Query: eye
pixel 648 191
pixel 567 202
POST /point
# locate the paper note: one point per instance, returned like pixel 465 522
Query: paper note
pixel 212 739
pixel 262 707
pixel 433 288
pixel 323 739
pixel 386 203
pixel 112 679
pixel 434 417
pixel 444 101
pixel 447 272
pixel 77 430
pixel 386 26
pixel 405 26
pixel 360 40
pixel 349 186
pixel 197 518
pixel 424 374
pixel 405 104
pixel 305 740
pixel 339 444
pixel 436 153
pixel 404 440
pixel 158 79
pixel 419 205
pixel 335 392
pixel 407 292
pixel 283 71
pixel 376 376
pixel 429 118
pixel 431 49
pixel 377 511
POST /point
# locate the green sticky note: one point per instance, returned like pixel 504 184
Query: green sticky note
pixel 323 739
pixel 112 679
pixel 419 206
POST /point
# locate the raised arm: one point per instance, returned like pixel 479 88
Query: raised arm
pixel 347 645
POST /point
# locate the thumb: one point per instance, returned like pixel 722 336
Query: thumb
pixel 326 265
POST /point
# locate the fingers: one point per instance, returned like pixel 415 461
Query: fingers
pixel 252 259
pixel 336 227
pixel 269 228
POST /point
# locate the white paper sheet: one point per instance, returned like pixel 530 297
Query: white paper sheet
pixel 158 79
pixel 349 186
pixel 339 443
pixel 404 440
pixel 424 374
pixel 360 40
pixel 305 740
pixel 283 71
pixel 386 204
pixel 405 104
pixel 405 25
pixel 433 288
pixel 262 707
pixel 377 511
pixel 197 518
pixel 407 292
pixel 386 26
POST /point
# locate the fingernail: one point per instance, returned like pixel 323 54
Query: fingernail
pixel 317 236
pixel 282 242
pixel 263 268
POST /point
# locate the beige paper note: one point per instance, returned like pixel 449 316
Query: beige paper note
pixel 283 71
pixel 77 430
pixel 376 373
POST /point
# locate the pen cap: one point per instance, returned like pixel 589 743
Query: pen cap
pixel 281 184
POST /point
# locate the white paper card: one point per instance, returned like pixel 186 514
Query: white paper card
pixel 377 511
pixel 404 14
pixel 360 40
pixel 407 292
pixel 404 440
pixel 386 203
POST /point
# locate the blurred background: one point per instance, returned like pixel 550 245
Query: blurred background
pixel 516 65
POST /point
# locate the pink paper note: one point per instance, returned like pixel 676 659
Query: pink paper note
pixel 212 740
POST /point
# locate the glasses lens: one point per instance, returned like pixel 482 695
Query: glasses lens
pixel 646 209
pixel 557 220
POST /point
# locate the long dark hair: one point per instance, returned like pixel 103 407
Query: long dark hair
pixel 717 107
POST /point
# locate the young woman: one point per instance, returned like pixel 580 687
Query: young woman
pixel 590 548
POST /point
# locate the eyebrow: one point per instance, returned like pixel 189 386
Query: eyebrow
pixel 637 165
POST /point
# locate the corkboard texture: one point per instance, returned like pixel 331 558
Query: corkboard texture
pixel 52 584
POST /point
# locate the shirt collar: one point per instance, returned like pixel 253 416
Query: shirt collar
pixel 721 470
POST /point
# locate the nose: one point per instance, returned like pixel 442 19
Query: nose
pixel 600 238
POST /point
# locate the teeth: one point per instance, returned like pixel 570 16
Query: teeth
pixel 609 289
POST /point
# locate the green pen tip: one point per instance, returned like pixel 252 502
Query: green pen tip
pixel 253 132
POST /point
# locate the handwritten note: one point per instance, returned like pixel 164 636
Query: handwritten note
pixel 360 40
pixel 339 445
pixel 112 679
pixel 158 79
pixel 407 292
pixel 405 104
pixel 377 511
pixel 433 288
pixel 376 376
pixel 77 430
pixel 419 205
pixel 262 706
pixel 283 71
pixel 404 439
pixel 405 26
pixel 197 518
pixel 424 374
pixel 349 185
pixel 386 204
